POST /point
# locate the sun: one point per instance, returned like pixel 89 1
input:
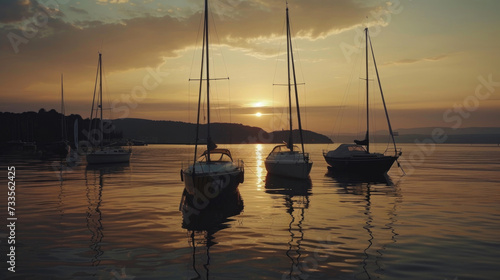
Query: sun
pixel 258 114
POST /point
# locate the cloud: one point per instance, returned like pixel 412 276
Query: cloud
pixel 78 10
pixel 14 10
pixel 60 46
pixel 255 25
pixel 57 45
pixel 417 60
pixel 112 1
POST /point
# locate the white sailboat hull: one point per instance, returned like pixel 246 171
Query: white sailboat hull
pixel 291 164
pixel 108 156
pixel 211 179
pixel 299 170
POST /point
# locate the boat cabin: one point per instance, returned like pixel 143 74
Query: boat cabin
pixel 217 155
pixel 281 149
pixel 347 150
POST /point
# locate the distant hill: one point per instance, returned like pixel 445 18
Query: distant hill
pixel 451 131
pixel 173 132
pixel 466 135
pixel 44 127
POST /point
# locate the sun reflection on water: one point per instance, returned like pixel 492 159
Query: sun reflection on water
pixel 259 163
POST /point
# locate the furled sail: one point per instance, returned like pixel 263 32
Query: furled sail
pixel 362 142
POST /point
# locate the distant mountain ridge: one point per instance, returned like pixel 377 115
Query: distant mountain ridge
pixel 466 135
pixel 175 132
pixel 45 127
pixel 452 131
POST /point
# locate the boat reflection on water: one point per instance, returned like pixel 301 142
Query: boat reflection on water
pixel 94 180
pixel 296 195
pixel 106 168
pixel 379 220
pixel 359 179
pixel 288 186
pixel 203 218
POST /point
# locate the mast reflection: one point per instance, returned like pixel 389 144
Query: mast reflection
pixel 94 215
pixel 369 187
pixel 204 218
pixel 94 180
pixel 296 195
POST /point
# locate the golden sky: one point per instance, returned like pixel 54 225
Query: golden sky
pixel 438 60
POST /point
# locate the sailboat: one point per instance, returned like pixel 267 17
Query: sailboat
pixel 287 159
pixel 62 147
pixel 103 154
pixel 73 157
pixel 356 158
pixel 214 171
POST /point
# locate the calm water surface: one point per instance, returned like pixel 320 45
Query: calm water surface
pixel 440 221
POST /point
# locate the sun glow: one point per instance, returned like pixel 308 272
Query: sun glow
pixel 258 114
pixel 258 104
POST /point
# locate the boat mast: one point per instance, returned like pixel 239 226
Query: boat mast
pixel 295 87
pixel 205 29
pixel 93 101
pixel 367 103
pixel 99 106
pixel 63 138
pixel 383 99
pixel 288 43
pixel 199 98
pixel 209 138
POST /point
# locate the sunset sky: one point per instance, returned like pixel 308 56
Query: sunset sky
pixel 433 57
